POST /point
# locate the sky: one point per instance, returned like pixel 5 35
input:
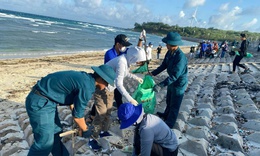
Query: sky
pixel 237 15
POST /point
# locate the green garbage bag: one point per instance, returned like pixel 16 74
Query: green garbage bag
pixel 144 94
pixel 248 55
pixel 141 69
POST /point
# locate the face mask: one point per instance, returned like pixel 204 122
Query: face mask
pixel 123 49
pixel 151 46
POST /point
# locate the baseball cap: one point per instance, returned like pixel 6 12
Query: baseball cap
pixel 123 39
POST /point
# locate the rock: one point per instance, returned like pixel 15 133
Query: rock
pixel 232 141
pixel 195 146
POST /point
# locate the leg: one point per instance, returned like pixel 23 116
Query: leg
pixel 42 114
pixel 174 106
pixel 58 148
pixel 100 107
pixel 109 105
pixel 157 150
pixel 241 65
pixel 166 111
pixel 118 98
pixel 236 62
pixel 91 115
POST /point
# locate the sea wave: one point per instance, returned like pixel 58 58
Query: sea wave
pixel 73 28
pixel 47 32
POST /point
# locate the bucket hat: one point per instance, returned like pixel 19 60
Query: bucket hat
pixel 128 114
pixel 173 38
pixel 106 72
pixel 123 39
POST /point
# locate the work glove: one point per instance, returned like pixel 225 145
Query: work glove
pixel 158 87
pixel 88 133
pixel 134 102
pixel 140 80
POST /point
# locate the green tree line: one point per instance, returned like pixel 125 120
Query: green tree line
pixel 192 33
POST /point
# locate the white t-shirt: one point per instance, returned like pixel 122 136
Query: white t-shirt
pixel 149 53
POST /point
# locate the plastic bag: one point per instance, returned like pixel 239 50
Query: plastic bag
pixel 248 55
pixel 141 69
pixel 144 94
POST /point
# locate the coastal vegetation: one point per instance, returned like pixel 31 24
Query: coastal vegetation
pixel 193 33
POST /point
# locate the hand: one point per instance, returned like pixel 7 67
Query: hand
pixel 134 102
pixel 88 133
pixel 157 88
pixel 143 35
pixel 140 80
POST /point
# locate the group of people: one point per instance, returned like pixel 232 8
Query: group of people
pixel 208 49
pixel 153 134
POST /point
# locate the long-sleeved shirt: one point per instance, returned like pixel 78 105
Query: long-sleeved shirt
pixel 153 130
pixel 121 65
pixel 243 48
pixel 68 87
pixel 176 65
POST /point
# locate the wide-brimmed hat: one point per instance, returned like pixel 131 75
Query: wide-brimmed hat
pixel 106 72
pixel 173 38
pixel 123 39
pixel 128 114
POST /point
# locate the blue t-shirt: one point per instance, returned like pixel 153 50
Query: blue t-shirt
pixel 110 54
pixel 68 87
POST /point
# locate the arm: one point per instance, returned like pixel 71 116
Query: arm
pixel 162 67
pixel 177 68
pixel 121 71
pixel 78 109
pixel 81 123
pixel 147 138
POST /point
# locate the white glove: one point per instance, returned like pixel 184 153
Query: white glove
pixel 134 102
pixel 140 80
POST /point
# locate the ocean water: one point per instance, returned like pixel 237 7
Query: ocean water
pixel 25 35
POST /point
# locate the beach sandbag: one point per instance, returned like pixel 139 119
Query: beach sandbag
pixel 144 94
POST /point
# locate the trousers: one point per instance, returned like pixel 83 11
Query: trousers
pixel 103 105
pixel 236 62
pixel 46 126
pixel 173 103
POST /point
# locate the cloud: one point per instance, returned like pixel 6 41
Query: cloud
pixel 250 24
pixel 224 7
pixel 193 3
pixel 253 10
pixel 167 20
pixel 225 20
pixel 181 14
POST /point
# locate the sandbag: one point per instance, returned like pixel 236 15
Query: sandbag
pixel 144 94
